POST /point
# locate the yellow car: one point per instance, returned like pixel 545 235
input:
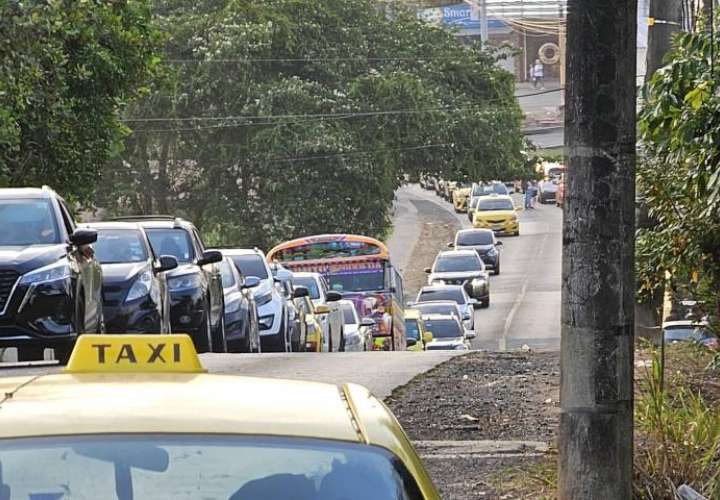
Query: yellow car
pixel 497 212
pixel 460 199
pixel 138 417
pixel 310 314
pixel 417 335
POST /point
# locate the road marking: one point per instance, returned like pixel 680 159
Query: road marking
pixel 518 301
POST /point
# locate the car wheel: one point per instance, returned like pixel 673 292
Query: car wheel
pixel 219 341
pixel 31 353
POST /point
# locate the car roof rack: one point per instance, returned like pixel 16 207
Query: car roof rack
pixel 130 218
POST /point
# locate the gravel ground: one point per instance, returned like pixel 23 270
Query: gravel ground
pixel 481 396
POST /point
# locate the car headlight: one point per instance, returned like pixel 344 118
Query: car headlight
pixel 266 322
pixel 53 272
pixel 492 252
pixel 141 287
pixel 185 282
pixel 263 299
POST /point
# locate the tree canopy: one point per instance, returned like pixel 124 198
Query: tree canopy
pixel 281 118
pixel 66 70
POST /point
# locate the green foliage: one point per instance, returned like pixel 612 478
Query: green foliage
pixel 679 172
pixel 327 105
pixel 66 69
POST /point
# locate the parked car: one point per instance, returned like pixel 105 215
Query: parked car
pixel 511 187
pixel 271 301
pixel 415 331
pixel 357 331
pixel 241 315
pixel 454 293
pixel 447 333
pixel 320 293
pixel 482 189
pixel 547 190
pixel 136 298
pixel 296 325
pixel 50 280
pixel 439 307
pixel 689 331
pixel 484 242
pixel 196 293
pixel 465 268
pixel 497 213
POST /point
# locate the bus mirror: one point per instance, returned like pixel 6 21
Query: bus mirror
pixel 333 296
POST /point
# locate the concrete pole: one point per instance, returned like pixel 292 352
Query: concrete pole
pixel 598 293
pixel 666 19
pixel 483 21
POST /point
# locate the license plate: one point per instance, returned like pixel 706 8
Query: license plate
pixel 498 226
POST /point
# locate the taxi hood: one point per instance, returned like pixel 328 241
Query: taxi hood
pixel 494 214
pixel 24 259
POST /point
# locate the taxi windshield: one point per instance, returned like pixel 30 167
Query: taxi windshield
pixel 491 205
pixel 199 466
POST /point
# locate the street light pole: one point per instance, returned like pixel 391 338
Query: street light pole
pixel 598 293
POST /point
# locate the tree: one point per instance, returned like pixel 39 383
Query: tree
pixel 306 116
pixel 67 68
pixel 598 293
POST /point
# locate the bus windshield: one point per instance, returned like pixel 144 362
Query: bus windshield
pixel 357 281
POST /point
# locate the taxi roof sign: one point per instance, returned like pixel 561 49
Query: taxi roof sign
pixel 134 354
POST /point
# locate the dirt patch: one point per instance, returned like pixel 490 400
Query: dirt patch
pixel 438 229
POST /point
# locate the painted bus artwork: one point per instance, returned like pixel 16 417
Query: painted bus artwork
pixel 358 267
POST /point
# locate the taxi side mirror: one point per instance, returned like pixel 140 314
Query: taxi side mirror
pixel 322 309
pixel 427 337
pixel 410 342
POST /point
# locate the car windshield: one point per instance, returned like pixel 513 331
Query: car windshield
pixel 228 278
pixel 486 189
pixel 453 293
pixel 412 329
pixel 28 222
pixel 349 314
pixel 444 328
pixel 457 264
pixel 488 205
pixel 175 242
pixel 475 238
pixel 310 283
pixel 200 466
pixel 251 265
pixel 681 333
pixel 116 246
pixel 365 281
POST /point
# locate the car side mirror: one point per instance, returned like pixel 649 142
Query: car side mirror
pixel 333 296
pixel 428 270
pixel 210 257
pixel 83 237
pixel 322 309
pixel 251 282
pixel 300 292
pixel 498 243
pixel 427 337
pixel 466 317
pixel 410 342
pixel 470 334
pixel 166 263
pixel 369 322
pixel 409 304
pixel 451 245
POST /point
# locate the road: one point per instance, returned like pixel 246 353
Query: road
pixel 524 310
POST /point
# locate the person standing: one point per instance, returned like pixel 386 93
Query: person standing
pixel 538 74
pixel 528 195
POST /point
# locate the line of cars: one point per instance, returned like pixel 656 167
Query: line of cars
pixel 145 274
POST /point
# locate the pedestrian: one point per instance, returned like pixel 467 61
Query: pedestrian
pixel 528 195
pixel 538 74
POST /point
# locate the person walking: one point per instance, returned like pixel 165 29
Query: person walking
pixel 528 195
pixel 538 74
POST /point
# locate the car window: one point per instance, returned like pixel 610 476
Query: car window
pixel 487 205
pixel 115 246
pixel 449 263
pixel 499 188
pixel 475 238
pixel 445 293
pixel 28 222
pixel 201 466
pixel 175 242
pixel 349 314
pixel 228 277
pixel 310 283
pixel 251 265
pixel 444 328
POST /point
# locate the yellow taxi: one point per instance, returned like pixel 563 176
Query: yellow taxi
pixel 137 417
pixel 310 315
pixel 497 212
pixel 417 335
pixel 460 199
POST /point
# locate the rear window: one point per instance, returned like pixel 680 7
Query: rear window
pixel 201 466
pixel 458 263
pixel 475 238
pixel 445 293
pixel 251 265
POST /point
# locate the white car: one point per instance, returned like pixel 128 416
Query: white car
pixel 358 332
pixel 273 313
pixel 454 293
pixel 332 324
pixel 447 332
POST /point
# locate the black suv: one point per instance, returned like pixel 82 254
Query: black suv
pixel 197 305
pixel 50 281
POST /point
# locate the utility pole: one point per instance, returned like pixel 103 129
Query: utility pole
pixel 665 20
pixel 483 21
pixel 598 294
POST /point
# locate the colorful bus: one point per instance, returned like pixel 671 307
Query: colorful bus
pixel 358 267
